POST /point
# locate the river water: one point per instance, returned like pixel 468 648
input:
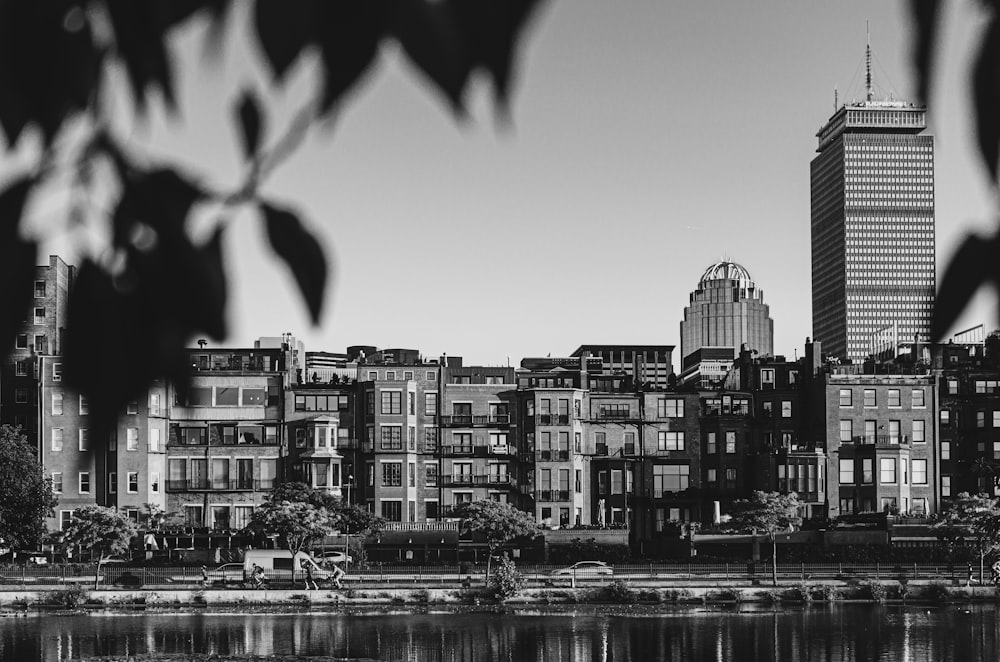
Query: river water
pixel 819 633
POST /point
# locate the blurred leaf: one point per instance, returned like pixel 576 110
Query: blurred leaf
pixel 161 199
pixel 348 32
pixel 491 29
pixel 17 263
pixel 140 41
pixel 283 33
pixel 49 65
pixel 251 120
pixel 429 34
pixel 301 252
pixel 968 269
pixel 925 15
pixel 987 96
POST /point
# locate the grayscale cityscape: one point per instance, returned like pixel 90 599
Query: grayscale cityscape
pixel 670 439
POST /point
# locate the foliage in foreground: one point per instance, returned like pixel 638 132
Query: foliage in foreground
pixel 506 582
pixel 26 497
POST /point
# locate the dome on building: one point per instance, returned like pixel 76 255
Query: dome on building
pixel 726 270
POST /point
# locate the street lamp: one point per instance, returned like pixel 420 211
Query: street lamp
pixel 347 536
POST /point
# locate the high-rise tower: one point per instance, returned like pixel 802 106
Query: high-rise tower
pixel 725 312
pixel 872 226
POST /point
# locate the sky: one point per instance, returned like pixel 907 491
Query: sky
pixel 651 138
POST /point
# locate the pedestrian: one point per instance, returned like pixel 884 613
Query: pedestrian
pixel 257 576
pixel 336 574
pixel 969 582
pixel 204 576
pixel 310 580
pixel 995 568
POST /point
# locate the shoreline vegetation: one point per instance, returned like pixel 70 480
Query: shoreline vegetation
pixel 615 594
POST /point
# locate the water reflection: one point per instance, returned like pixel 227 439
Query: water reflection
pixel 855 633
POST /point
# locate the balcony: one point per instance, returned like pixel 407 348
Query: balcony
pixel 456 480
pixel 552 456
pixel 478 480
pixel 664 492
pixel 502 449
pixel 552 419
pixel 553 495
pixel 882 440
pixel 614 415
pixel 463 449
pixel 474 420
pixel 205 485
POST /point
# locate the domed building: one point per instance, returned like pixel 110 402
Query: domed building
pixel 726 311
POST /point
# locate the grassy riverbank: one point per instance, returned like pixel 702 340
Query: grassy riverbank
pixel 615 593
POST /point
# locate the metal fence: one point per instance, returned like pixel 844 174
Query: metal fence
pixel 126 576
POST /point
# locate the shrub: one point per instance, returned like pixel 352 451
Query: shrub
pixel 620 592
pixel 826 593
pixel 772 595
pixel 800 593
pixel 678 595
pixel 70 597
pixel 505 581
pixel 731 594
pixel 903 590
pixel 872 590
pixel 423 596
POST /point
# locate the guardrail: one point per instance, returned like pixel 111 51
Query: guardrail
pixel 116 576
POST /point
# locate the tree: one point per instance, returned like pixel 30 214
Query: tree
pixel 497 522
pixel 971 519
pixel 767 513
pixel 150 289
pixel 300 523
pixel 26 497
pixel 105 531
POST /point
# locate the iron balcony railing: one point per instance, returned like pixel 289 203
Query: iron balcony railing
pixel 552 455
pixel 208 485
pixel 554 495
pixel 461 420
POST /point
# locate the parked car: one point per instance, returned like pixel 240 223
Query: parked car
pixel 586 569
pixel 326 558
pixel 229 573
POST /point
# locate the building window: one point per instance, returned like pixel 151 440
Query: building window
pixel 431 376
pixel 945 417
pixel 953 386
pixel 390 375
pixel 846 432
pixel 57 486
pixel 917 397
pixel 786 408
pixel 133 482
pixel 670 408
pixel 731 475
pixel 730 442
pixel 392 474
pixel 21 368
pixel 980 419
pixel 669 478
pixel 867 471
pixel 918 432
pixel 57 439
pixel 65 516
pixel 430 404
pixel 154 439
pixel 41 344
pixel 57 404
pixel 84 439
pixel 887 470
pixel 996 450
pixel 84 405
pixel 845 397
pixel 713 475
pixel 946 486
pixel 392 402
pixel 869 397
pixel 412 473
pixel 154 404
pixel 710 443
pixel 113 482
pixel 132 439
pixel 894 399
pixel 996 419
pixel 154 482
pixel 39 289
pixel 21 396
pixel 918 472
pixel 392 511
pixel 411 407
pixel 22 341
pixel 847 472
pixel 945 450
pixel 132 408
pixel 84 482
pixel 392 437
pixel 670 441
pixel 430 474
pixel 57 372
pixel 767 376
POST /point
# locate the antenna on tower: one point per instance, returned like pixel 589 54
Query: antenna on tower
pixel 869 92
pixel 836 101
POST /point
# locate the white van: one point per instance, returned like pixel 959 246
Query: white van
pixel 280 566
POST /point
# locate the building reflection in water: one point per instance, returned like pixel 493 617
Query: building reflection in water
pixel 818 633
